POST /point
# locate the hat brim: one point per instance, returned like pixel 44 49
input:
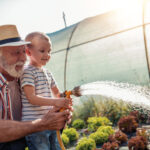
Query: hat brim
pixel 18 43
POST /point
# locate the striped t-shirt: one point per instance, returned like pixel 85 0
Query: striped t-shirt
pixel 43 81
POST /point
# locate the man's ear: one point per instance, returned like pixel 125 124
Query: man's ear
pixel 28 51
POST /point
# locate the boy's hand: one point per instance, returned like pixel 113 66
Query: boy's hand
pixel 63 102
pixel 63 94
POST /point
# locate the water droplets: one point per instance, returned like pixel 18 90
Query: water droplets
pixel 132 94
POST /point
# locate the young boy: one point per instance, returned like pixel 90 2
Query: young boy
pixel 37 86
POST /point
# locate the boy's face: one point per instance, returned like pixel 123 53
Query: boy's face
pixel 40 52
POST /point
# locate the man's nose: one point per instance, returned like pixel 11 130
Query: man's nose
pixel 23 57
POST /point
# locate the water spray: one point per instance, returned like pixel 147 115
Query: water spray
pixel 132 94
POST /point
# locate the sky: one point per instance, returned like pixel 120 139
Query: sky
pixel 47 15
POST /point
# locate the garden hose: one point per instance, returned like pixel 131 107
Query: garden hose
pixel 67 95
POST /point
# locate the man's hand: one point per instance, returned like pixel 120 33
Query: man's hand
pixel 55 120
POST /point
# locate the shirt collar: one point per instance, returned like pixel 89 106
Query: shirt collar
pixel 3 81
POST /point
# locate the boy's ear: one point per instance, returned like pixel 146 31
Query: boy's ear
pixel 28 52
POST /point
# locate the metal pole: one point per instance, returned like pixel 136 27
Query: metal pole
pixel 145 39
pixel 64 18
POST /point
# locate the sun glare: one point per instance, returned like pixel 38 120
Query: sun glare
pixel 132 8
pixel 125 3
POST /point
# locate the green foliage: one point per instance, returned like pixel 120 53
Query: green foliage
pixel 95 122
pixel 86 144
pixel 106 129
pixel 113 110
pixel 99 137
pixel 65 139
pixel 78 124
pixel 100 106
pixel 71 133
pixel 87 108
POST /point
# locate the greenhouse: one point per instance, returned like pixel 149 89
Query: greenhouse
pixel 114 46
pixel 108 58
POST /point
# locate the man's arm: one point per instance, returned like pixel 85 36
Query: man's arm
pixel 12 130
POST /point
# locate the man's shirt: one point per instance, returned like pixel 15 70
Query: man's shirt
pixel 5 102
pixel 10 102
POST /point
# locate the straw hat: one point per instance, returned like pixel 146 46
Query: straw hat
pixel 9 36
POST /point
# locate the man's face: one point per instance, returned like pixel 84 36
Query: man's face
pixel 12 60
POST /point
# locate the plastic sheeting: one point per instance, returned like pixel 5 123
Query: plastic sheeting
pixel 109 46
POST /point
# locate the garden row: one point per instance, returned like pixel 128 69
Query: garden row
pixel 99 133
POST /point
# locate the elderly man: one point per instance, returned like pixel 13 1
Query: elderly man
pixel 12 130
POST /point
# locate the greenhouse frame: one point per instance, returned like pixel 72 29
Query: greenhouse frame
pixel 114 46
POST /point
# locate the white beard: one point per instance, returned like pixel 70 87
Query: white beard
pixel 10 69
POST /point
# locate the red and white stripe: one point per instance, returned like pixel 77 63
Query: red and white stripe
pixel 5 98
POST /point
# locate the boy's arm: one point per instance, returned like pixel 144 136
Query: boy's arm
pixel 55 91
pixel 42 101
pixel 12 130
pixel 36 99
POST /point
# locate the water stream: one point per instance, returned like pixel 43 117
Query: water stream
pixel 132 94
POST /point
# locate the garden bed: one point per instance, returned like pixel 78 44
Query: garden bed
pixel 124 146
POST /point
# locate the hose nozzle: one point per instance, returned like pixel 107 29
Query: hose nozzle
pixel 76 91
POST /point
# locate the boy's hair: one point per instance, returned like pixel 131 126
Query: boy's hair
pixel 32 35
